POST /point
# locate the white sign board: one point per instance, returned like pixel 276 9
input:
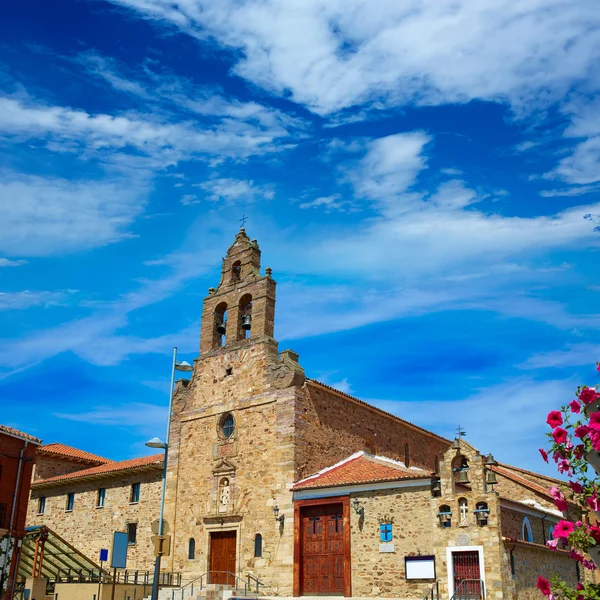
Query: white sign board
pixel 389 547
pixel 420 567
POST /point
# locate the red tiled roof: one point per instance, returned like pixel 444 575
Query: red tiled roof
pixel 106 469
pixel 65 451
pixel 552 480
pixel 509 540
pixel 360 468
pixel 379 410
pixel 522 481
pixel 17 433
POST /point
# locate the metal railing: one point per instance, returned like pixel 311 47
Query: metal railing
pixel 469 589
pixel 125 576
pixel 251 583
pixel 433 592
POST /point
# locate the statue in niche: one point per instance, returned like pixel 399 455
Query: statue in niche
pixel 464 513
pixel 224 495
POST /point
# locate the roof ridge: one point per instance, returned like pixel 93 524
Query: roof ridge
pixel 20 434
pixel 60 449
pixel 337 465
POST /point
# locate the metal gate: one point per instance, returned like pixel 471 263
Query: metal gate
pixel 467 577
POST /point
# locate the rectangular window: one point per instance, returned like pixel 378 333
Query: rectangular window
pixel 131 533
pixel 70 501
pixel 101 497
pixel 385 532
pixel 41 505
pixel 135 492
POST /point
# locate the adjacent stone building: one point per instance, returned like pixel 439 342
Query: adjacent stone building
pixel 280 478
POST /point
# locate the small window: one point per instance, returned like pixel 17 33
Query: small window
pixel 550 532
pixel 385 532
pixel 258 545
pixel 135 493
pixel 236 271
pixel 131 533
pixel 41 505
pixel 228 371
pixel 445 516
pixel 407 455
pixel 70 501
pixel 526 532
pixel 101 497
pixel 227 426
pixel 482 513
pixel 192 549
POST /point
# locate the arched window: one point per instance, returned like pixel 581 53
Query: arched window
pixel 550 533
pixel 236 271
pixel 258 545
pixel 407 455
pixel 226 426
pixel 460 470
pixel 221 324
pixel 445 516
pixel 463 512
pixel 192 549
pixel 526 531
pixel 436 465
pixel 245 316
pixel 482 513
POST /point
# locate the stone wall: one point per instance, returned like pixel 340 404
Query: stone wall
pixel 531 562
pixel 331 426
pixel 512 525
pixel 47 466
pixel 382 574
pixel 89 528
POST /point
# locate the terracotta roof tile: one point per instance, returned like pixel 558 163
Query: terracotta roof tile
pixel 65 451
pixel 522 481
pixel 106 469
pixel 360 468
pixel 17 433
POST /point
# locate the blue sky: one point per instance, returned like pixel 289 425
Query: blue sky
pixel 416 173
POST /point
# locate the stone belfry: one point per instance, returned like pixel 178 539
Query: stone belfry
pixel 243 305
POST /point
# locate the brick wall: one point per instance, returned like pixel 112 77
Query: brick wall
pixel 331 427
pixel 89 528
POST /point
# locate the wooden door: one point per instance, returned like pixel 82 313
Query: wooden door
pixel 322 550
pixel 467 576
pixel 222 557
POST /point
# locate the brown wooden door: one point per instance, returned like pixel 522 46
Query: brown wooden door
pixel 467 583
pixel 222 557
pixel 322 550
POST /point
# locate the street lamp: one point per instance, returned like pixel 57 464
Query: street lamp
pixel 157 443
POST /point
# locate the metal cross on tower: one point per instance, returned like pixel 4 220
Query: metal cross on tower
pixel 460 432
pixel 243 220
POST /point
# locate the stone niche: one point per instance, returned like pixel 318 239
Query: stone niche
pixel 223 489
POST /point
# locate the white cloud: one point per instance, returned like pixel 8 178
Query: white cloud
pixel 575 355
pixel 523 403
pixel 41 216
pixel 27 299
pixel 229 191
pixel 7 262
pixel 189 199
pixel 582 166
pixel 332 54
pixel 328 203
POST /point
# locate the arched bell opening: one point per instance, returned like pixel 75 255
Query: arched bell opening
pixel 220 320
pixel 245 312
pixel 236 272
pixel 460 470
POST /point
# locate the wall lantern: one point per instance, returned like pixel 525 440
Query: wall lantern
pixel 280 519
pixel 358 509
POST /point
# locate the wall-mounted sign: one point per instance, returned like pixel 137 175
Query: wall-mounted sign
pixel 118 559
pixel 386 547
pixel 419 567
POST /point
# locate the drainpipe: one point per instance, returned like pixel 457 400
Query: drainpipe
pixel 13 516
pixel 543 529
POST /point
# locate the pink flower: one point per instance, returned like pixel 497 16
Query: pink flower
pixel 543 585
pixel 544 454
pixel 555 492
pixel 576 556
pixel 595 420
pixel 576 487
pixel 587 395
pixel 575 406
pixel 593 503
pixel 563 530
pixel 564 467
pixel 588 564
pixel 594 531
pixel 580 586
pixel 552 544
pixel 554 418
pixel 581 431
pixel 561 505
pixel 579 451
pixel 560 435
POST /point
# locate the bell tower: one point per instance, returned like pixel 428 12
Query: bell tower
pixel 242 307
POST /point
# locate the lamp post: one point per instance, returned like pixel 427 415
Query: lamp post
pixel 157 443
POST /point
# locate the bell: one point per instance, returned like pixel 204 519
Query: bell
pixel 246 322
pixel 490 461
pixel 222 327
pixel 456 444
pixel 463 477
pixel 436 488
pixel 490 478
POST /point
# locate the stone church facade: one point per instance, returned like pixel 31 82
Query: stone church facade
pixel 314 492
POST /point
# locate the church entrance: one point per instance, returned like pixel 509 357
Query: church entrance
pixel 467 582
pixel 323 549
pixel 222 557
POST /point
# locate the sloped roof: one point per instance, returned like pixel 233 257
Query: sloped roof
pixel 524 482
pixel 361 468
pixel 65 451
pixel 104 470
pixel 16 433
